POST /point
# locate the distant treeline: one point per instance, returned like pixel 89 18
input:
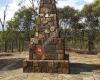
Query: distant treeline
pixel 81 29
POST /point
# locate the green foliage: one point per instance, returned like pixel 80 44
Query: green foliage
pixel 78 34
pixel 66 12
pixel 22 22
pixel 19 29
pixel 86 32
pixel 93 7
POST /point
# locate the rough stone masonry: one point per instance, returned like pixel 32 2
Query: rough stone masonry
pixel 47 50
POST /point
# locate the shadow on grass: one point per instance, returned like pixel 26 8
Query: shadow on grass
pixel 11 64
pixel 77 68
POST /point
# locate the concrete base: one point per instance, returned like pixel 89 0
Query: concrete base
pixel 46 66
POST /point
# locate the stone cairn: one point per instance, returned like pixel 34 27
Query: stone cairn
pixel 47 50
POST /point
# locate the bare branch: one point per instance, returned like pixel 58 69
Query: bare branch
pixel 1 22
pixel 4 18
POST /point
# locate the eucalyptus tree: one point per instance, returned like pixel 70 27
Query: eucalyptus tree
pixel 70 17
pixel 91 13
pixel 21 25
pixel 3 23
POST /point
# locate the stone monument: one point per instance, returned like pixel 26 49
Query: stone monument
pixel 47 50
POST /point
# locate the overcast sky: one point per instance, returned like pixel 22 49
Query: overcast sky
pixel 13 5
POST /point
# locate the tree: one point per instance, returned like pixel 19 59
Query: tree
pixel 3 27
pixel 90 12
pixel 21 25
pixel 70 17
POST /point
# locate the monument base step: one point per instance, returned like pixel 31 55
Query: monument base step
pixel 46 66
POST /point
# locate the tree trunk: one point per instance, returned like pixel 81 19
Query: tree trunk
pixel 22 45
pixel 82 40
pixel 12 47
pixel 5 46
pixel 91 42
pixel 19 46
pixel 90 46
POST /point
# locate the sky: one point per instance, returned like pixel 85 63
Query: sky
pixel 13 6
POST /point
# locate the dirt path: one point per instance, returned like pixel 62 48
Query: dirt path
pixel 83 67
